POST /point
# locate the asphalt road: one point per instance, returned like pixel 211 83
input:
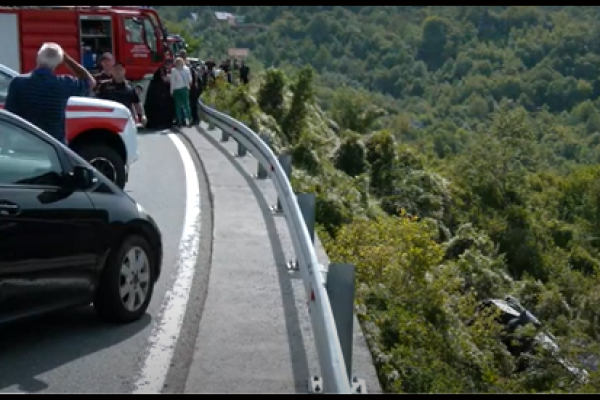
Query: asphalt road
pixel 255 335
pixel 72 352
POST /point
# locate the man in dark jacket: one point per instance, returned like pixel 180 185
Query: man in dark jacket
pixel 118 89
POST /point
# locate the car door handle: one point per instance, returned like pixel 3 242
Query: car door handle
pixel 9 208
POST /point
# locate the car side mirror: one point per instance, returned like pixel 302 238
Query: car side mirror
pixel 82 177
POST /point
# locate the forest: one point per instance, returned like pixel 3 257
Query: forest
pixel 454 153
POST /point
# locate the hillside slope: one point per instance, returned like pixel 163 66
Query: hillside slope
pixel 460 164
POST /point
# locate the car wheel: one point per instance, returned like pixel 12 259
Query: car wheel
pixel 105 160
pixel 127 282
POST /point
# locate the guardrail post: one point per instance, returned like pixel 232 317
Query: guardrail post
pixel 224 136
pixel 286 163
pixel 211 126
pixel 262 172
pixel 307 204
pixel 241 150
pixel 340 290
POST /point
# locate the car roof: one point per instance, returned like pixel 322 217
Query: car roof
pixel 505 307
pixel 8 70
pixel 22 123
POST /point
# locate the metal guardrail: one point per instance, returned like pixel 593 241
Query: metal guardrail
pixel 331 360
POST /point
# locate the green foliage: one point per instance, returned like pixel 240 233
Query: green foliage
pixel 454 154
pixel 353 111
pixel 381 156
pixel 302 95
pixel 270 96
pixel 351 156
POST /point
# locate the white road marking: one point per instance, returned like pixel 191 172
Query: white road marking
pixel 166 332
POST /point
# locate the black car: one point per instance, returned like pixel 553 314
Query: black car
pixel 68 235
pixel 511 315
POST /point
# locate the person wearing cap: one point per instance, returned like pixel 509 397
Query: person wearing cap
pixel 194 87
pixel 118 89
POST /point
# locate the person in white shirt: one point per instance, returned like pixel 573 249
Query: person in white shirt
pixel 194 87
pixel 180 90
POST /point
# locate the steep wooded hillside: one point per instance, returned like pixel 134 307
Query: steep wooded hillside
pixel 454 152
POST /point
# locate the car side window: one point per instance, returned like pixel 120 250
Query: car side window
pixel 25 159
pixel 4 83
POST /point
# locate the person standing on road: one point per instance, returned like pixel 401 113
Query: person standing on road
pixel 41 97
pixel 180 90
pixel 194 87
pixel 159 105
pixel 118 89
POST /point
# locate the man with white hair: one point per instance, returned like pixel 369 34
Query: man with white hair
pixel 41 97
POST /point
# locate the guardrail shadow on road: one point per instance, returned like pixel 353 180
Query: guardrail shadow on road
pixel 145 131
pixel 297 347
pixel 31 348
pixel 335 376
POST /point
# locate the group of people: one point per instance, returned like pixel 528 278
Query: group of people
pixel 111 84
pixel 230 70
pixel 171 99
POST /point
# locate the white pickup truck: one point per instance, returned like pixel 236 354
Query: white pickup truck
pixel 102 132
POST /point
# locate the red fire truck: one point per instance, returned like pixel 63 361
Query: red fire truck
pixel 135 35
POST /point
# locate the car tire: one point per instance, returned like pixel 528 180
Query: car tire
pixel 117 285
pixel 105 159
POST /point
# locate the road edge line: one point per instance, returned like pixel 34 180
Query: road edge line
pixel 164 337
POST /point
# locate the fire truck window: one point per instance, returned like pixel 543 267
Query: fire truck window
pixel 150 35
pixel 134 31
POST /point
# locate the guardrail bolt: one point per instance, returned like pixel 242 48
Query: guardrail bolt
pixel 293 265
pixel 359 386
pixel 315 385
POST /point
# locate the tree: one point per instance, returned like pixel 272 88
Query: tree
pixel 271 94
pixel 303 93
pixel 351 156
pixel 475 136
